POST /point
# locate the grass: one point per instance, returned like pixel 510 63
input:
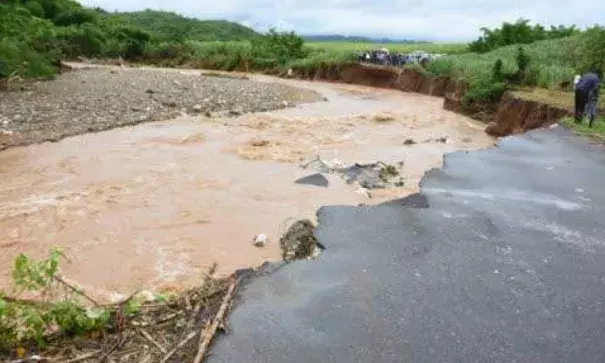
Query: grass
pixel 562 99
pixel 551 62
pixel 442 48
pixel 596 133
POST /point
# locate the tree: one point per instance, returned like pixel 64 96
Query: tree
pixel 592 50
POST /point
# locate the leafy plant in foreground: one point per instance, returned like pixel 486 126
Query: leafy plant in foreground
pixel 59 310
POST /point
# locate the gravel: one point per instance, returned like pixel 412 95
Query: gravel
pixel 90 100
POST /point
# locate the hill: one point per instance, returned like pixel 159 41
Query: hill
pixel 171 26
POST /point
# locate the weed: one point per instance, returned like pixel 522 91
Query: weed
pixel 60 309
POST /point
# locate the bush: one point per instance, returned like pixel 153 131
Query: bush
pixel 27 44
pixel 18 58
pixel 284 47
pixel 592 50
pixel 75 17
pixel 483 90
pixel 519 32
pixel 34 8
pixel 497 73
pixel 87 40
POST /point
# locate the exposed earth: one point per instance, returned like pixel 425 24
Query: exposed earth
pixel 153 206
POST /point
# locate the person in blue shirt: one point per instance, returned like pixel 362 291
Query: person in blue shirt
pixel 587 93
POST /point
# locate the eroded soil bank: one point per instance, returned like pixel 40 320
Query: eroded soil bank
pixel 512 115
pixel 154 205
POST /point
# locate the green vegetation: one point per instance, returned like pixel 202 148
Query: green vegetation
pixel 37 34
pixel 167 26
pixel 549 64
pixel 519 32
pixel 59 310
pixel 596 133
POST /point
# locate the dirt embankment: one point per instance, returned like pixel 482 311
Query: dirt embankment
pixel 511 115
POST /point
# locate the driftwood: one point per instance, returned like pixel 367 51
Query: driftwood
pixel 207 336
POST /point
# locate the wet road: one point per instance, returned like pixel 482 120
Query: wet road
pixel 505 264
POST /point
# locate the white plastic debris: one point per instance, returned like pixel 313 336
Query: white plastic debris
pixel 146 296
pixel 260 240
pixel 364 192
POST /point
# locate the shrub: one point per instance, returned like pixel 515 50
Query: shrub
pixel 519 32
pixel 75 17
pixel 483 90
pixel 87 40
pixel 497 73
pixel 282 46
pixel 592 50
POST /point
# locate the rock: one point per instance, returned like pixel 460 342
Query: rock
pixel 197 108
pixel 260 143
pixel 373 176
pixel 409 142
pixel 315 179
pixel 145 296
pixel 323 166
pixel 494 129
pixel 58 106
pixel 299 242
pixel 260 240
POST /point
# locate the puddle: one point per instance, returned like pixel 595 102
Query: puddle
pixel 155 205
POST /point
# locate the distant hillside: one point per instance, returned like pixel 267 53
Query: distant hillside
pixel 357 39
pixel 170 26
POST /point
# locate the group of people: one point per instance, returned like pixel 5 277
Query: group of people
pixel 586 97
pixel 385 58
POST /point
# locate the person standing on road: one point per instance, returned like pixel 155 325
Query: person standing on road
pixel 587 92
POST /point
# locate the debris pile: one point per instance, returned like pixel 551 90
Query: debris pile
pixel 179 329
pixel 369 176
pixel 299 241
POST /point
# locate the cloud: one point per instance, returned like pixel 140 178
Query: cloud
pixel 444 20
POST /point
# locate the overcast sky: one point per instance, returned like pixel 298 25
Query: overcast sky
pixel 410 19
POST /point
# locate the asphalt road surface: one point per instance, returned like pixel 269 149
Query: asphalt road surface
pixel 501 259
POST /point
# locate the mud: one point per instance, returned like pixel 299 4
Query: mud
pixel 516 116
pixel 153 206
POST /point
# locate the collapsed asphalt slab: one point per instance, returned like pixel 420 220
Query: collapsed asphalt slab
pixel 503 262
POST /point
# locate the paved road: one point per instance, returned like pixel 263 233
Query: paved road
pixel 505 264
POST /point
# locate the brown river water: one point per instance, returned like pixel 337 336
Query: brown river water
pixel 153 206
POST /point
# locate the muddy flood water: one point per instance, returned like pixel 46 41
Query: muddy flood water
pixel 153 206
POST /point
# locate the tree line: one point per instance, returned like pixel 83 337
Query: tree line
pixel 519 32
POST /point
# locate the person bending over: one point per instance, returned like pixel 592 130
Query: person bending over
pixel 587 91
